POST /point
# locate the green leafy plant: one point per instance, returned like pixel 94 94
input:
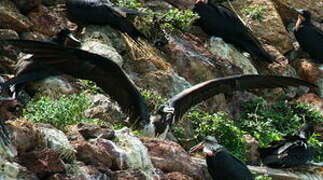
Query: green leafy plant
pixel 256 13
pixel 153 100
pixel 270 122
pixel 169 20
pixel 263 177
pixel 61 112
pixel 221 127
pixel 178 19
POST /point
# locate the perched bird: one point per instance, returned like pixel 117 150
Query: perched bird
pixel 221 164
pixel 219 21
pixel 103 12
pixel 309 37
pixel 293 151
pixel 111 78
pixel 32 70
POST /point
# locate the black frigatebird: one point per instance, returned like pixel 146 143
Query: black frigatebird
pixel 32 70
pixel 309 37
pixel 221 164
pixel 113 80
pixel 219 21
pixel 293 151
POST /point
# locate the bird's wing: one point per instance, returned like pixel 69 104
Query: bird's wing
pixel 85 65
pixel 203 91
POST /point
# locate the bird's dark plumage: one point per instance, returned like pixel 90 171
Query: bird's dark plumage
pixel 293 151
pixel 221 164
pixel 103 12
pixel 309 37
pixel 85 65
pixel 31 70
pixel 176 107
pixel 110 77
pixel 219 21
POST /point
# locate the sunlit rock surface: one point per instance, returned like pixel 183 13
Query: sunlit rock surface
pixel 315 6
pixel 42 163
pixel 94 152
pixel 170 157
pixel 53 86
pixel 45 21
pixel 104 109
pixel 56 140
pixel 265 23
pixel 25 136
pixel 10 18
pixel 310 72
pixel 227 52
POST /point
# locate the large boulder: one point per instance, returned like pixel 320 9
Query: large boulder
pixel 42 163
pixel 171 157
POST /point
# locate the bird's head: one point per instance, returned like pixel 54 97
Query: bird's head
pixel 159 124
pixel 306 132
pixel 65 37
pixel 209 145
pixel 303 15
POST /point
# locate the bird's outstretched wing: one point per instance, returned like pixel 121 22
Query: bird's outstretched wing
pixel 85 65
pixel 203 91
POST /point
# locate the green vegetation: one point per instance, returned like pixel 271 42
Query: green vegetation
pixel 61 112
pixel 90 87
pixel 271 122
pixel 221 127
pixel 264 177
pixel 153 100
pixel 178 19
pixel 256 13
pixel 266 122
pixel 169 20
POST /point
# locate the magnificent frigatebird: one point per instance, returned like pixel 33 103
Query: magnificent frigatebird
pixel 221 164
pixel 111 78
pixel 309 37
pixel 32 70
pixel 103 12
pixel 219 21
pixel 293 151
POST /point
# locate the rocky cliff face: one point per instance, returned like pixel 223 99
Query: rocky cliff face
pixel 164 65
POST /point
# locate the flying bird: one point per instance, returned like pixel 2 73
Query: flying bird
pixel 309 37
pixel 219 21
pixel 293 151
pixel 32 70
pixel 103 12
pixel 113 80
pixel 221 164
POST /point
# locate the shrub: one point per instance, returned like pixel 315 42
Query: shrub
pixel 222 128
pixel 61 112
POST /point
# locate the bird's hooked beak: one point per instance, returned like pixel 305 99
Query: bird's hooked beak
pixel 72 38
pixel 300 13
pixel 300 18
pixel 201 146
